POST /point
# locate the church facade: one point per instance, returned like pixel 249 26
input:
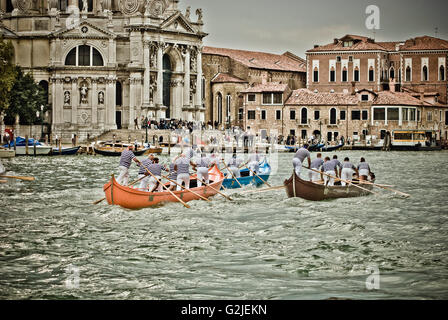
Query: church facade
pixel 105 63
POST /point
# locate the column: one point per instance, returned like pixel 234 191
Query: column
pixel 110 104
pixel 186 98
pixel 53 101
pixel 199 110
pixel 59 102
pixel 131 102
pixel 94 101
pixel 74 101
pixel 146 79
pixel 159 93
pixel 400 116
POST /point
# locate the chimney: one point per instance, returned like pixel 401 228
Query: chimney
pixel 335 41
pixel 316 46
pixel 353 88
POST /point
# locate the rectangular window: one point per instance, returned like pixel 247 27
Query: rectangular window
pixel 251 115
pixel 316 114
pixel 332 76
pixel 371 75
pixel 356 76
pixel 263 114
pixel 292 114
pixel 419 116
pixel 278 115
pixel 364 97
pixel 429 116
pixel 292 132
pixel 240 114
pixel 379 114
pixel 446 118
pixel 344 76
pixel 338 59
pixel 392 114
pixel 412 115
pixel 356 115
pixel 304 134
pixel 335 135
pixel 267 98
pixel 316 76
pixel 382 134
pixel 365 115
pixel 350 58
pixel 251 97
pixel 342 115
pixel 278 98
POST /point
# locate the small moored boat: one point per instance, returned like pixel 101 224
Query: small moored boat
pixel 7 153
pixel 115 149
pixel 65 151
pixel 246 179
pixel 297 187
pixel 130 198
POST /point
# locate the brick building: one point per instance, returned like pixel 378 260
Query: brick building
pixel 228 72
pixel 417 65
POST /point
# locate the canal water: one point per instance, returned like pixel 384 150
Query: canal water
pixel 55 244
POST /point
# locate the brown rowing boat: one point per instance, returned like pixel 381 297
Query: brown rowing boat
pixel 318 192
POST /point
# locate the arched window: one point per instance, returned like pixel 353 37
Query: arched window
pixel 333 116
pixel 344 75
pixel 442 73
pixel 392 73
pixel 219 107
pixel 356 75
pixel 408 73
pixel 304 116
pixel 89 5
pixel 62 5
pixel 9 6
pixel 228 104
pixel 316 75
pixel 86 56
pixel 118 94
pixel 371 74
pixel 425 73
pixel 44 85
pixel 332 75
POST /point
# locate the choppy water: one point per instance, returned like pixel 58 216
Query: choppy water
pixel 260 246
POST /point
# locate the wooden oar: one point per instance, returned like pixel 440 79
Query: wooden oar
pixel 131 184
pixel 189 190
pixel 263 190
pixel 231 173
pixel 346 181
pixel 224 195
pixel 18 177
pixel 258 176
pixel 3 181
pixel 384 187
pixel 166 188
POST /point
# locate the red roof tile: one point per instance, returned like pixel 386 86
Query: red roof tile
pixel 267 87
pixel 308 97
pixel 359 44
pixel 397 99
pixel 261 60
pixel 425 43
pixel 226 78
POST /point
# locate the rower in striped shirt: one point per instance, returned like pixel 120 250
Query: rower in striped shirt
pixel 143 173
pixel 156 169
pixel 127 156
pixel 202 165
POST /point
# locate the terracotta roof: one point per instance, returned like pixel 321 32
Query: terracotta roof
pixel 425 43
pixel 260 60
pixel 397 98
pixel 308 97
pixel 226 78
pixel 361 43
pixel 267 87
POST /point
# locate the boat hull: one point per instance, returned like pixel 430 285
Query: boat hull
pixel 315 192
pixel 233 184
pixel 117 152
pixel 40 150
pixel 7 153
pixel 65 151
pixel 131 198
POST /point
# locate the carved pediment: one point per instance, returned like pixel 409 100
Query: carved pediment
pixel 85 30
pixel 178 23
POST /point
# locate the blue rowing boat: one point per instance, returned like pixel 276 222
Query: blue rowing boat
pixel 245 179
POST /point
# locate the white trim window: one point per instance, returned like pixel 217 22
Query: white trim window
pixel 356 70
pixel 272 98
pixel 442 69
pixel 332 71
pixel 315 71
pixel 344 70
pixel 371 70
pixel 278 114
pixel 425 69
pixel 228 108
pixel 84 56
pixel 408 69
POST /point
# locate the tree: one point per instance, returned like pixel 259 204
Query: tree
pixel 7 72
pixel 25 99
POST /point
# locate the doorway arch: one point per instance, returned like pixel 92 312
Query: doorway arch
pixel 167 72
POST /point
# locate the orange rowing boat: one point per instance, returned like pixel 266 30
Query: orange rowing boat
pixel 131 198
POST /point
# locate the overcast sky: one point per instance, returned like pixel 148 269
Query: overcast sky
pixel 296 25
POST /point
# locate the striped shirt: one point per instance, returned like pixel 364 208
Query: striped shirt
pixel 145 164
pixel 173 173
pixel 348 165
pixel 156 169
pixel 213 159
pixel 363 165
pixel 317 163
pixel 302 154
pixel 126 158
pixel 328 166
pixel 183 165
pixel 203 162
pixel 337 163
